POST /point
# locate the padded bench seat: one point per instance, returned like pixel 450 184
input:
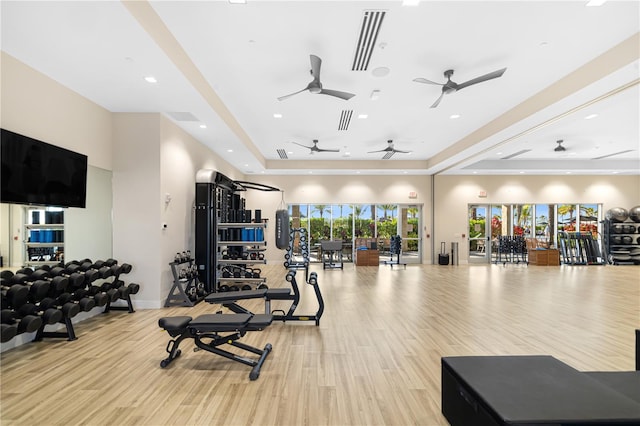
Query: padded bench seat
pixel 210 327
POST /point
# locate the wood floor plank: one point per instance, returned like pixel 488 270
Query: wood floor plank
pixel 374 360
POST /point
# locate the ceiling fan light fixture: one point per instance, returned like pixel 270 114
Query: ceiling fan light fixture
pixel 559 148
pixel 375 95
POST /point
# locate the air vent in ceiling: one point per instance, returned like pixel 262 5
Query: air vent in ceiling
pixel 283 154
pixel 515 154
pixel 345 119
pixel 388 155
pixel 182 116
pixel 369 30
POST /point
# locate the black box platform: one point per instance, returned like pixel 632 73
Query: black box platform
pixel 532 390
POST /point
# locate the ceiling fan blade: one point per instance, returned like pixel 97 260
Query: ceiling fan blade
pixel 299 144
pixel 424 80
pixel 282 98
pixel 381 150
pixel 316 63
pixel 401 152
pixel 338 94
pixel 327 150
pixel 435 104
pixel 485 77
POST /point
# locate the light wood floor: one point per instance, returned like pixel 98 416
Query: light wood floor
pixel 374 360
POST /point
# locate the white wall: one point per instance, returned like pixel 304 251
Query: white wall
pixel 181 156
pixel 34 105
pixel 136 192
pixel 454 193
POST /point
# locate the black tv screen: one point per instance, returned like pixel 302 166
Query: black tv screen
pixel 35 172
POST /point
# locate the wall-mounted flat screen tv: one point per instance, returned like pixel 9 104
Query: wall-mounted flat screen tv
pixel 35 172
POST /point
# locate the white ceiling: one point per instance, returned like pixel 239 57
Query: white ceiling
pixel 225 65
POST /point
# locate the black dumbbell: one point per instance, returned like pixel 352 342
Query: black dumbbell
pixel 13 294
pixel 40 283
pixel 124 290
pixel 68 309
pixel 74 280
pixel 84 269
pixel 8 332
pixel 48 315
pixel 26 324
pixel 85 303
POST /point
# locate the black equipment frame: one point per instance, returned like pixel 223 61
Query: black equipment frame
pixel 188 331
pixel 229 300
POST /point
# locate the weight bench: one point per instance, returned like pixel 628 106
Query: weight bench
pixel 229 299
pixel 209 326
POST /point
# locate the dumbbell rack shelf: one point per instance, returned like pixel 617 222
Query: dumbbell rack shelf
pixel 183 286
pixel 249 248
pixel 32 245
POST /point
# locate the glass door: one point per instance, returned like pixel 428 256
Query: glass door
pixel 409 225
pixel 479 231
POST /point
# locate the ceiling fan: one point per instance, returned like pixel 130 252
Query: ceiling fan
pixel 451 87
pixel 390 150
pixel 559 148
pixel 315 86
pixel 313 149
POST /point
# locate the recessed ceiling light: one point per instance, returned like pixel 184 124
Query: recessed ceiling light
pixel 615 173
pixel 363 116
pixel 568 173
pixel 229 150
pixel 521 173
pixel 499 153
pixel 454 116
pixel 246 165
pixel 591 3
pixel 238 1
pixel 381 71
pixel 150 79
pixel 203 126
pixel 590 116
pixel 475 173
pixel 276 115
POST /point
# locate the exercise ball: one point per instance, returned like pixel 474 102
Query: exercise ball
pixel 617 214
pixel 616 240
pixel 629 229
pixel 634 214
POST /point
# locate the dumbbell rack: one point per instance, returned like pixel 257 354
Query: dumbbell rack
pixel 184 286
pixel 252 253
